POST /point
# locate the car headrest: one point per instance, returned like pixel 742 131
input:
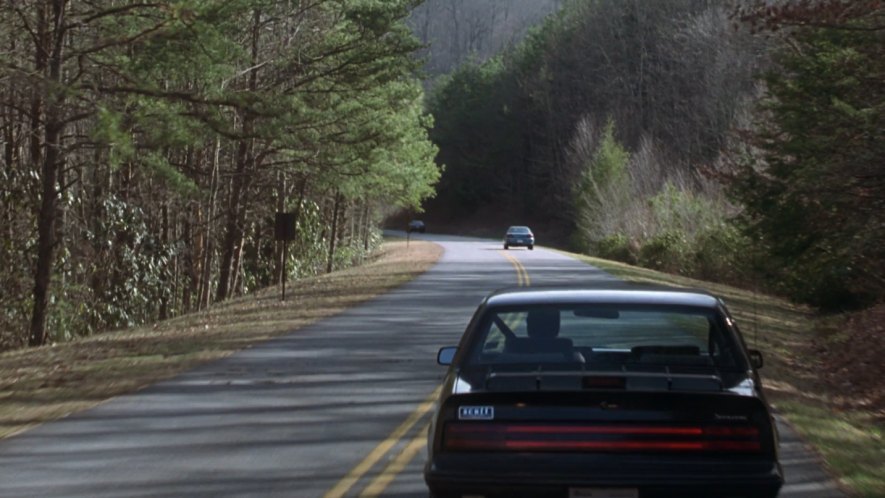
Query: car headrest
pixel 542 323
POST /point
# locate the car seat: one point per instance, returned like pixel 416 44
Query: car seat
pixel 542 328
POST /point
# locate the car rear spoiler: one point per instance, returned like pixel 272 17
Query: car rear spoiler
pixel 540 380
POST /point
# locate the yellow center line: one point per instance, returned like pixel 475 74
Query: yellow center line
pixel 522 275
pixel 380 483
pixel 383 447
pixel 515 263
pixel 396 466
pixel 525 276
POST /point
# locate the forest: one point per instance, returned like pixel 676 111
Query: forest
pixel 147 146
pixel 735 142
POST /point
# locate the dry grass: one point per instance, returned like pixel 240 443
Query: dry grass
pixel 42 384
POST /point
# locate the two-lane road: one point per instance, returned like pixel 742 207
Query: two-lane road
pixel 336 409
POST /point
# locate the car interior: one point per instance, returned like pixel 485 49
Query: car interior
pixel 635 340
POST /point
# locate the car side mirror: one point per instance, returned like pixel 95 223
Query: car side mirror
pixel 446 355
pixel 756 358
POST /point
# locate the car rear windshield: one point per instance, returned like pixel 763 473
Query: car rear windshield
pixel 605 337
pixel 520 230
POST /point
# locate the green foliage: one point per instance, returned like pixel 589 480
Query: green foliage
pixel 15 279
pixel 159 165
pixel 817 200
pixel 309 255
pixel 718 253
pixel 667 251
pixel 723 254
pixel 607 167
pixel 108 131
pixel 397 165
pixel 604 185
pixel 680 209
pixel 695 237
pixel 616 247
pixel 178 121
pixel 474 131
pixel 673 72
pixel 680 231
pixel 127 279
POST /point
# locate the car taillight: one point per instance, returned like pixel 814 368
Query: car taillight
pixel 501 436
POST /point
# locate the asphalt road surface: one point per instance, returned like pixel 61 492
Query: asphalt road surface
pixel 336 409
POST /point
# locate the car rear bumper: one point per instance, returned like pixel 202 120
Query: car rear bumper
pixel 721 480
pixel 522 242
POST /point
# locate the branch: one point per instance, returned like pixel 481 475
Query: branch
pixel 171 95
pixel 122 41
pixel 116 11
pixel 826 25
pixel 27 27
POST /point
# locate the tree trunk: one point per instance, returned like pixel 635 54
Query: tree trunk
pixel 45 237
pixel 164 237
pixel 366 227
pixel 209 247
pixel 233 238
pixel 236 274
pixel 302 189
pixel 191 268
pixel 333 235
pixel 52 160
pixel 233 235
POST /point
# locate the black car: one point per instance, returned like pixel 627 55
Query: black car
pixel 618 392
pixel 519 236
pixel 417 226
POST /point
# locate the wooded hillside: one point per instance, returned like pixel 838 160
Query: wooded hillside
pixel 454 31
pixel 648 132
pixel 146 146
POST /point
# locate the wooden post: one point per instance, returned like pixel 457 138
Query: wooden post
pixel 285 260
pixel 284 231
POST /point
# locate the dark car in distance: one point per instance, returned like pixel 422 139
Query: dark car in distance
pixel 417 226
pixel 616 392
pixel 519 236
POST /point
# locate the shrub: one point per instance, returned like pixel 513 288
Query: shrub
pixel 617 247
pixel 668 251
pixel 828 281
pixel 722 254
pixel 604 187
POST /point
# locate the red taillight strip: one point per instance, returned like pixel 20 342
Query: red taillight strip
pixel 569 437
pixel 518 445
pixel 582 429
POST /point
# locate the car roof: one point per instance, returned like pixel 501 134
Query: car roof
pixel 608 293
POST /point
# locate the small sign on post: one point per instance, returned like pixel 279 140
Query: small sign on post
pixel 284 231
pixel 284 227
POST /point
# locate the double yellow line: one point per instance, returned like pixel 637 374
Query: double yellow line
pixel 522 275
pixel 380 483
pixel 383 479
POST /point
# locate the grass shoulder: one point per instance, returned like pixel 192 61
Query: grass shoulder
pixel 848 436
pixel 42 384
